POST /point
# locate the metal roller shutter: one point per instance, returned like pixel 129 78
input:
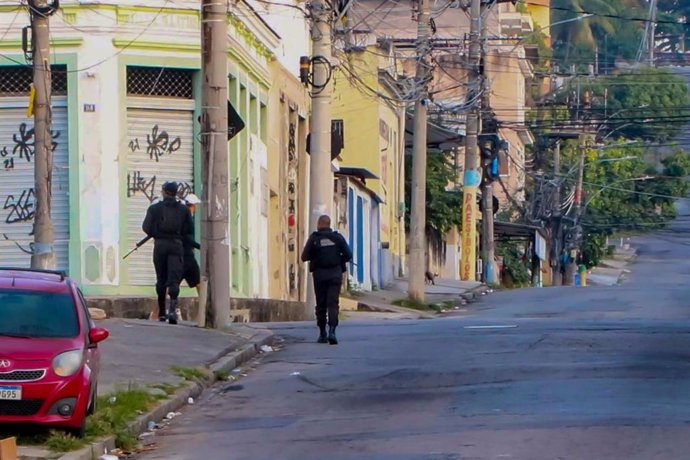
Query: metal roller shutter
pixel 160 148
pixel 17 182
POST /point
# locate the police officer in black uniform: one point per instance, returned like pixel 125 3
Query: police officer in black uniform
pixel 328 254
pixel 169 223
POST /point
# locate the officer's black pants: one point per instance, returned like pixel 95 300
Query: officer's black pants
pixel 168 261
pixel 327 301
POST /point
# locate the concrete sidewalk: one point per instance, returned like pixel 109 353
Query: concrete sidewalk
pixel 444 290
pixel 143 352
pixel 611 271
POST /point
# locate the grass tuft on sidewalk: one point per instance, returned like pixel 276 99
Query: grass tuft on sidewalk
pixel 114 412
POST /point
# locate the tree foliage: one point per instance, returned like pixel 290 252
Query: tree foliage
pixel 443 206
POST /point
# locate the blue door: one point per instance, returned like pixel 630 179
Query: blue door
pixel 360 240
pixel 351 223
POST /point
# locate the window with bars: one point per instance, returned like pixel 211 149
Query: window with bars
pixel 160 82
pixel 16 80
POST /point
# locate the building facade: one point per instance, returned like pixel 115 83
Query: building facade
pixel 126 108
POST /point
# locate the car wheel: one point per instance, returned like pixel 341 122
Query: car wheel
pixel 92 405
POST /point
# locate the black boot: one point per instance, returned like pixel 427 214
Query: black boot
pixel 162 317
pixel 323 337
pixel 172 311
pixel 331 336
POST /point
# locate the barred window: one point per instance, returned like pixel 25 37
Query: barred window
pixel 16 80
pixel 160 81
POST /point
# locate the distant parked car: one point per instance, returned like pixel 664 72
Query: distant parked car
pixel 49 356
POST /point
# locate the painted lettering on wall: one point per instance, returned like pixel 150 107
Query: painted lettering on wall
pixel 138 183
pixel 21 207
pixel 24 146
pixel 158 144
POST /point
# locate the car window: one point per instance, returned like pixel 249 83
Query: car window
pixel 85 307
pixel 37 314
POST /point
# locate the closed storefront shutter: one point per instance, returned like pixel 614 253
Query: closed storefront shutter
pixel 160 135
pixel 17 195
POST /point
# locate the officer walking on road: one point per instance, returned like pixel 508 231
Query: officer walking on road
pixel 328 254
pixel 169 223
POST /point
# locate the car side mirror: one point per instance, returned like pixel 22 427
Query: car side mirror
pixel 97 335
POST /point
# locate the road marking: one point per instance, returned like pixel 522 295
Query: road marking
pixel 498 326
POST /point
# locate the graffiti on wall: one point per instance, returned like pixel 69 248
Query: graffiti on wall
pixel 24 145
pixel 292 198
pixel 19 206
pixel 158 144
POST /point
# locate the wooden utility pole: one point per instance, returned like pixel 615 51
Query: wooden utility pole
pixel 43 256
pixel 417 262
pixel 320 163
pixel 215 241
pixel 472 164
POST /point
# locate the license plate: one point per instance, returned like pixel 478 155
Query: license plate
pixel 10 393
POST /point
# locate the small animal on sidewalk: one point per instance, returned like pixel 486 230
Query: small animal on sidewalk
pixel 429 278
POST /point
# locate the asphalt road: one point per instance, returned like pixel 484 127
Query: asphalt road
pixel 567 373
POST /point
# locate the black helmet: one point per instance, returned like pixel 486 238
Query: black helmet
pixel 170 188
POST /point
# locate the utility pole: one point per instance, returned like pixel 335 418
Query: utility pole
pixel 472 172
pixel 488 275
pixel 320 172
pixel 652 32
pixel 417 261
pixel 556 241
pixel 43 256
pixel 214 124
pixel 571 268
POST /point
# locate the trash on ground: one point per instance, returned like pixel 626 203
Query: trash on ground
pixel 170 416
pixel 266 348
pixel 190 400
pixel 113 400
pixel 296 373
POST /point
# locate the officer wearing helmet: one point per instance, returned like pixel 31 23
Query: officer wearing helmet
pixel 191 272
pixel 169 223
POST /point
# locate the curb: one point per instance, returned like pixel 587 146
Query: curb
pixel 474 293
pixel 226 363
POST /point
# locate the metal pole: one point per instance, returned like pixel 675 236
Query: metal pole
pixel 320 170
pixel 418 218
pixel 472 172
pixel 43 255
pixel 215 222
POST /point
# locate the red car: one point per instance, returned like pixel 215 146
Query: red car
pixel 49 356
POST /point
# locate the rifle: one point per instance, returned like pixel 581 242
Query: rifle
pixel 138 245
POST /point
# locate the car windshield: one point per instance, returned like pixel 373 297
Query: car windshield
pixel 37 314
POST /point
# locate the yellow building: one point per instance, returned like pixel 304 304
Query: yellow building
pixel 373 124
pixel 540 10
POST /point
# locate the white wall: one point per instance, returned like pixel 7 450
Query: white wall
pixel 290 25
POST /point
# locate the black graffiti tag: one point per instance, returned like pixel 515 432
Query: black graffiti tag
pixel 137 183
pixel 22 209
pixel 134 145
pixel 159 143
pixel 24 146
